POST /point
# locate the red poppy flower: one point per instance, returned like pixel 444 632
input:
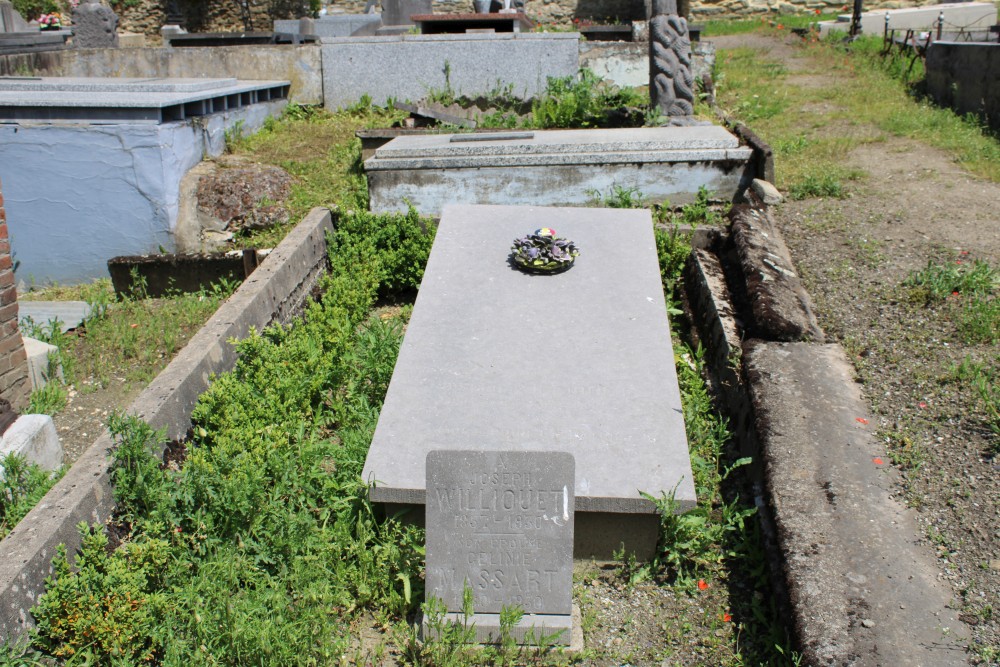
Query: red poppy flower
pixel 702 584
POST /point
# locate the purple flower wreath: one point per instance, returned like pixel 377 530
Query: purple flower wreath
pixel 544 252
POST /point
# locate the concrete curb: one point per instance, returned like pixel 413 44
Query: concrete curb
pixel 846 556
pixel 276 291
pixel 781 307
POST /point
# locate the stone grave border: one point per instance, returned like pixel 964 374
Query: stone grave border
pixel 845 556
pixel 276 291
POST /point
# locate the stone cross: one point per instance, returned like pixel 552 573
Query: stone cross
pixel 671 83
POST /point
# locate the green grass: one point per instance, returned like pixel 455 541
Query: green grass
pixel 768 23
pixel 319 149
pixel 985 380
pixel 812 128
pixel 966 291
pixel 127 340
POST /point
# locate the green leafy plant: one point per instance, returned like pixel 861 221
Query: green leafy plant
pixel 22 485
pixel 49 400
pixel 583 101
pixel 32 9
pixel 817 185
pixel 257 543
pixel 936 282
pixel 234 136
pixel 966 290
pixel 618 196
pixel 983 380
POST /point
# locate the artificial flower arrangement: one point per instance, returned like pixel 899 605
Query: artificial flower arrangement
pixel 50 21
pixel 544 252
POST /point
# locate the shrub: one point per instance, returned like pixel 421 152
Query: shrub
pixel 260 546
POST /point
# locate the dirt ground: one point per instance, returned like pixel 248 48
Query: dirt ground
pixel 915 205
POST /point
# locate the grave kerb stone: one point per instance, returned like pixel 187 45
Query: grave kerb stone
pixel 500 524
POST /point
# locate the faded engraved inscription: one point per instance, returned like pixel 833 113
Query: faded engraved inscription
pixel 498 522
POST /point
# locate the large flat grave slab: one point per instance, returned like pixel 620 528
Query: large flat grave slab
pixel 500 525
pixel 114 100
pixel 556 167
pixel 579 362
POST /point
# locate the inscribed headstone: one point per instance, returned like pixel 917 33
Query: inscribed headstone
pixel 501 524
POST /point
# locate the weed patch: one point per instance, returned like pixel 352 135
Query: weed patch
pixel 22 485
pixel 965 291
pixel 260 546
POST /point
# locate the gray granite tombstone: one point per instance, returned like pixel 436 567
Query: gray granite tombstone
pixel 95 26
pixel 500 525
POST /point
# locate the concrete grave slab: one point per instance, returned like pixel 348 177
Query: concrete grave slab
pixel 69 314
pixel 556 167
pixel 39 354
pixel 501 523
pixel 470 64
pixel 100 100
pixel 34 437
pixel 11 20
pixel 337 25
pixel 863 590
pixel 580 362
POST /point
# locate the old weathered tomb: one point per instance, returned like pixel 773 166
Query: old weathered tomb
pixel 556 167
pixel 495 359
pixel 500 525
pixel 91 166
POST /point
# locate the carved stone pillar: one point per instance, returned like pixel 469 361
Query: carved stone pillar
pixel 671 84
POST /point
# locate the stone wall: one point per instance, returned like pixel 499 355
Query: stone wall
pixel 562 12
pixel 14 385
pixel 147 16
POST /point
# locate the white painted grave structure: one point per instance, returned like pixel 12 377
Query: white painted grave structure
pixel 91 167
pixel 556 167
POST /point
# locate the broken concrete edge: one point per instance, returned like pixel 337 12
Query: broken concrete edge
pixel 34 438
pixel 863 589
pixel 780 306
pixel 276 291
pixel 845 558
pixel 762 159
